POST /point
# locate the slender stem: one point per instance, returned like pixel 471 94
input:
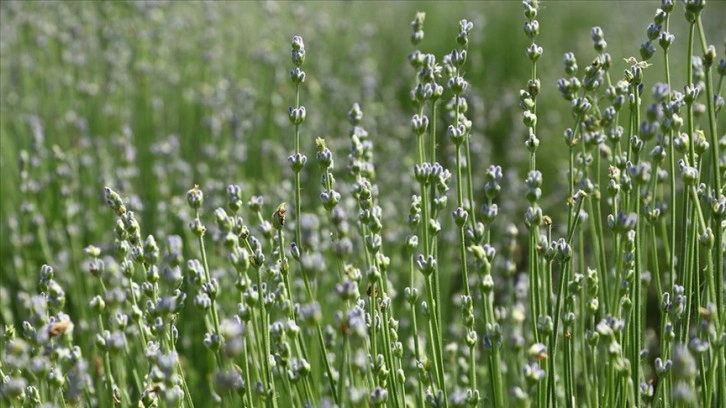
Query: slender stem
pixel 436 336
pixel 596 231
pixel 431 286
pixel 638 303
pixel 414 325
pixel 265 321
pixel 672 170
pixel 715 283
pixel 465 272
pixel 689 246
pixel 108 374
pixel 470 183
pixel 321 343
pixel 341 380
pixel 494 357
pixel 388 356
pixel 534 295
pixel 298 211
pixel 207 275
pixel 433 134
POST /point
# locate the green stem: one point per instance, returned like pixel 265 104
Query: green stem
pixel 688 247
pixel 436 335
pixel 431 282
pixel 265 321
pixel 414 326
pixel 207 275
pixel 494 357
pixel 108 380
pixel 321 343
pixel 638 303
pixel 671 173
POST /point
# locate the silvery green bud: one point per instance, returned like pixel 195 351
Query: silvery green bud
pixel 457 85
pixel 419 124
pixel 666 39
pixel 97 304
pixel 195 197
pixel 297 76
pixel 427 265
pixel 259 257
pixel 92 251
pixel 533 86
pixel 101 341
pixel 378 397
pixel 709 56
pixel 471 338
pixel 533 216
pixel 234 201
pixel 530 9
pixel 647 50
pixel 458 58
pixel 114 200
pixel 662 368
pixel 255 204
pixel 330 199
pixel 570 63
pixel 489 212
pixel 297 161
pixel 296 115
pixel 416 37
pixel 700 144
pixel 564 250
pixel 487 284
pixel 151 251
pixel 374 242
pixel 373 274
pixel 531 29
pixel 416 59
pixel 534 51
pixel 689 173
pixel 457 134
pixel 667 5
pixel 653 31
pixel 465 27
pixel 721 69
pixel 225 222
pixel 411 295
pixel 411 243
pixel 693 9
pixel 298 51
pixel 460 216
pixel 706 238
pixel 660 16
pixel 297 43
pixel 718 206
pixel 148 289
pixel 197 227
pixel 212 341
pixel 417 25
pixel 691 92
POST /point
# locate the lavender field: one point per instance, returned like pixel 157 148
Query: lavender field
pixel 357 204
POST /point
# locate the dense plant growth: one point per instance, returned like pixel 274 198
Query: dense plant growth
pixel 235 229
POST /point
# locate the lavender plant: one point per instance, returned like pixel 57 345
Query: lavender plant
pixel 162 251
